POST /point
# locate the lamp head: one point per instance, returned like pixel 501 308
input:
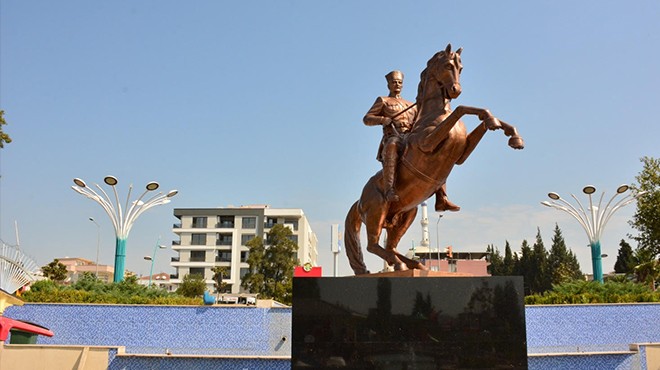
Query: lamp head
pixel 79 182
pixel 546 203
pixel 589 189
pixel 148 258
pixel 110 180
pixel 152 186
pixel 622 188
pixel 172 193
pixel 553 196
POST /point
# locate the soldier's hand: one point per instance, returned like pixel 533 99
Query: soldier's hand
pixel 387 121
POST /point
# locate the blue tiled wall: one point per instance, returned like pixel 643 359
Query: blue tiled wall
pixel 249 331
pixel 211 330
pixel 591 328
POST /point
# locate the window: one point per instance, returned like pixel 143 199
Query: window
pixel 199 222
pixel 225 222
pixel 198 239
pixel 293 238
pixel 244 256
pixel 249 223
pixel 223 256
pixel 246 238
pixel 270 222
pixel 197 256
pixel 197 271
pixel 223 239
pixel 244 271
pixel 292 221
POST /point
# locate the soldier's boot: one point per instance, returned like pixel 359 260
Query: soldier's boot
pixel 442 203
pixel 389 171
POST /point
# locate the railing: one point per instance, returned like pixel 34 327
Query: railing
pixel 222 242
pixel 224 225
pixel 176 226
pixel 175 259
pixel 174 276
pixel 176 242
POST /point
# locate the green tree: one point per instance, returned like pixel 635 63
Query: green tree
pixel 538 267
pixel 4 138
pixel 625 260
pixel 192 286
pixel 55 271
pixel 496 267
pixel 509 261
pixel 523 266
pixel 271 265
pixel 647 270
pixel 647 216
pixel 562 263
pixel 219 273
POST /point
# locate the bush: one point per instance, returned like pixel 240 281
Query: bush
pixel 88 289
pixel 582 292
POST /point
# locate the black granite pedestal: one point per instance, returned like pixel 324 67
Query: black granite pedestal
pixel 409 323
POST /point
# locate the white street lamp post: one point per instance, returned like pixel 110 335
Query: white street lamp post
pixel 122 218
pixel 593 222
pixel 98 243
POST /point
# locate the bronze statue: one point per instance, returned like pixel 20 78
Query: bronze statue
pixel 437 141
pixel 397 116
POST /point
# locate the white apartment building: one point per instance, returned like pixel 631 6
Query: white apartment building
pixel 210 237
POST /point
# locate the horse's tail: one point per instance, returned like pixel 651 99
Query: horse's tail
pixel 352 228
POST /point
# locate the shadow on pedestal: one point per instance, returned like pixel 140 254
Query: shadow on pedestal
pixel 409 323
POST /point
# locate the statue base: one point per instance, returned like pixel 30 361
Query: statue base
pixel 413 322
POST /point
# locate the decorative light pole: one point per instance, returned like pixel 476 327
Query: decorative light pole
pixel 122 219
pixel 593 222
pixel 98 243
pixel 152 258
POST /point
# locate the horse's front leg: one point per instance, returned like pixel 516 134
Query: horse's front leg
pixel 515 141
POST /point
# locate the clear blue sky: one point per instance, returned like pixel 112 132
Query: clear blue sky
pixel 237 103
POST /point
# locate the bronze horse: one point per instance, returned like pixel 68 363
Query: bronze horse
pixel 437 142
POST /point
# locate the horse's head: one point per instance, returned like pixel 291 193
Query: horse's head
pixel 441 78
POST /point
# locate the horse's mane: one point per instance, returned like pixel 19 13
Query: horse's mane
pixel 437 61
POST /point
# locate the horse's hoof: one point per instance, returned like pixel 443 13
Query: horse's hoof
pixel 400 267
pixel 516 142
pixel 492 123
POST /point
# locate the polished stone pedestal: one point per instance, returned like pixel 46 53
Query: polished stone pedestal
pixel 386 322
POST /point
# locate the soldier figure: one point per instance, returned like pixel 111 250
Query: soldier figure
pixel 397 116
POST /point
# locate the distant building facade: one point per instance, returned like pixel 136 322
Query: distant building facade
pixel 473 263
pixel 160 280
pixel 76 266
pixel 210 237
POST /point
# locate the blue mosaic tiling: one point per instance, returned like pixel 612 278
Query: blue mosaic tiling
pixel 164 363
pixel 585 362
pixel 253 332
pixel 591 328
pixel 208 330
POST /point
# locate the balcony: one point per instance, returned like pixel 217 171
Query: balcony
pixel 174 276
pixel 176 242
pixel 225 225
pixel 176 226
pixel 175 259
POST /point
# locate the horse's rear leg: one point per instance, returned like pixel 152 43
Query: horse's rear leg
pixel 374 223
pixel 394 235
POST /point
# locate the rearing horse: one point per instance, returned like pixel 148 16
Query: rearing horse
pixel 437 142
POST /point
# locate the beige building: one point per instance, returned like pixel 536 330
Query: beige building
pixel 210 237
pixel 76 266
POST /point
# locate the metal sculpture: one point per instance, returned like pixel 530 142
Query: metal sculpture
pixel 437 141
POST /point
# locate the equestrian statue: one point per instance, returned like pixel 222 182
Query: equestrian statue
pixel 421 144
